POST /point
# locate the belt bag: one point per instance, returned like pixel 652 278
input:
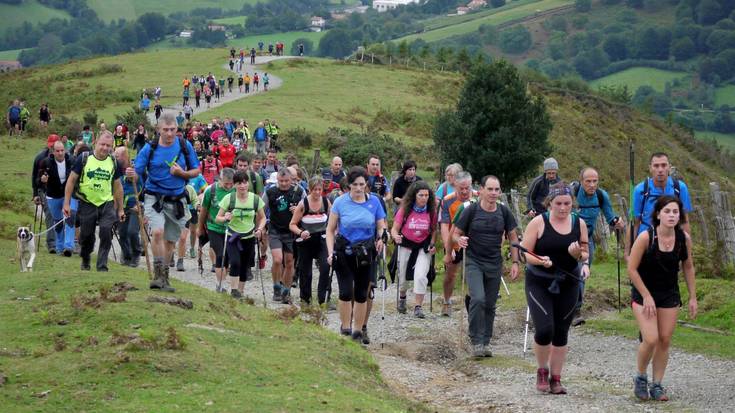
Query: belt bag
pixel 175 200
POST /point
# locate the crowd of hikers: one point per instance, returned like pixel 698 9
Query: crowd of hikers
pixel 220 185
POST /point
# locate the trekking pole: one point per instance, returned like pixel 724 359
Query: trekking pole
pixel 505 285
pixel 525 335
pixel 35 220
pixel 260 274
pixel 224 250
pixel 40 226
pixel 617 257
pixel 385 289
pixel 112 246
pixel 462 280
pixel 142 228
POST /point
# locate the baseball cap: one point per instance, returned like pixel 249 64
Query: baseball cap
pixel 52 140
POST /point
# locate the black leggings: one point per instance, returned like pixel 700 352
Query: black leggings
pixel 217 243
pixel 242 257
pixel 353 280
pixel 551 313
pixel 313 248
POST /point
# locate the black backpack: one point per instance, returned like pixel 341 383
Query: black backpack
pixel 647 192
pixel 183 150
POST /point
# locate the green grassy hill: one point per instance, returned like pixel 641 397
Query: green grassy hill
pixel 130 9
pixel 30 11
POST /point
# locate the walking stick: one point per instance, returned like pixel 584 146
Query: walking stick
pixel 260 273
pixel 617 257
pixel 462 280
pixel 224 250
pixel 142 227
pixel 40 225
pixel 385 289
pixel 112 246
pixel 505 285
pixel 525 335
pixel 35 220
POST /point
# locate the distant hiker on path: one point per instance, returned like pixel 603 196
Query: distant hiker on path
pixel 252 55
pixel 539 188
pixel 44 115
pixel 559 238
pixel 13 117
pixel 653 267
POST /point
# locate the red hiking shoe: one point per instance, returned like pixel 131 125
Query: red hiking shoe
pixel 556 387
pixel 542 380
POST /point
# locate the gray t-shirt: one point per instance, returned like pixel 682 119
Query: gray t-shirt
pixel 486 234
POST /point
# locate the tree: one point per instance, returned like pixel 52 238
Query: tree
pixel 154 24
pixel 335 43
pixel 582 6
pixel 497 3
pixel 515 40
pixel 616 47
pixel 635 4
pixel 709 12
pixel 683 49
pixel 308 46
pixel 497 127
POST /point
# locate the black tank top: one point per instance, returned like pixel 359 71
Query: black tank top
pixel 659 270
pixel 554 245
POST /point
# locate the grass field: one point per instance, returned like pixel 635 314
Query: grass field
pixel 492 19
pixel 30 11
pixel 287 38
pixel 234 20
pixel 724 139
pixel 444 21
pixel 10 54
pixel 130 9
pixel 725 95
pixel 636 77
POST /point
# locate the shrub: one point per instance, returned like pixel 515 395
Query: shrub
pixel 515 40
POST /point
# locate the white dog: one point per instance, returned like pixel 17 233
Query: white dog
pixel 26 249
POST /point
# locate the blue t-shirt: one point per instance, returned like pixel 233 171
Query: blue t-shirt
pixel 14 112
pixel 145 103
pixel 260 135
pixel 653 194
pixel 378 184
pixel 357 220
pixel 180 120
pixel 159 179
pixel 444 190
pixel 129 191
pixel 589 208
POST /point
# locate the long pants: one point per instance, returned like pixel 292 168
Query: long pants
pixel 129 232
pixel 483 288
pixel 91 216
pixel 315 248
pixel 420 270
pixel 241 254
pixel 49 218
pixel 64 233
pixel 581 284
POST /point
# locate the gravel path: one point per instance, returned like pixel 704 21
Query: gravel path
pixel 419 358
pixel 274 83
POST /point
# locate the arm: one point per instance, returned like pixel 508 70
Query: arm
pixel 533 230
pixel 293 226
pixel 332 226
pixel 117 194
pixel 223 216
pixel 68 190
pixel 514 255
pixel 259 223
pixel 529 198
pixel 381 226
pixel 636 253
pixel 688 266
pixel 395 230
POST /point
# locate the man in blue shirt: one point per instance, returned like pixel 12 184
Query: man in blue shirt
pixel 591 200
pixel 168 165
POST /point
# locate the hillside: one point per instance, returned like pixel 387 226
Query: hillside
pixel 30 11
pixel 131 9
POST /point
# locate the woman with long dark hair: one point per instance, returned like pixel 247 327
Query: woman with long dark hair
pixel 414 232
pixel 404 180
pixel 653 268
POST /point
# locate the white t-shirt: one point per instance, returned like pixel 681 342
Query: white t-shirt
pixel 61 168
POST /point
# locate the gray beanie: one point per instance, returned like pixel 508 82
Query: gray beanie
pixel 551 164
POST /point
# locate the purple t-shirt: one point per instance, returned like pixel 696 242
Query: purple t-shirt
pixel 418 225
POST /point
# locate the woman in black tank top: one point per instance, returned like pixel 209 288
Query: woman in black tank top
pixel 309 225
pixel 653 268
pixel 559 238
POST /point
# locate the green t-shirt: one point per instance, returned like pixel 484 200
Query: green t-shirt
pixel 243 216
pixel 213 207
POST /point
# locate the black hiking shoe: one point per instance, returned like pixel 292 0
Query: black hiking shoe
pixel 86 264
pixel 236 294
pixel 418 312
pixel 345 331
pixel 658 393
pixel 180 265
pixel 577 320
pixel 357 337
pixel 401 307
pixel 365 337
pixel 640 387
pixel 67 252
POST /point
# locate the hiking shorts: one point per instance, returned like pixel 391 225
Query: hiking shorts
pixel 277 241
pixel 194 218
pixel 166 219
pixel 14 122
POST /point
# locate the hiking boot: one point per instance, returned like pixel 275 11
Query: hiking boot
pixel 166 286
pixel 418 312
pixel 658 393
pixel 67 252
pixel 236 294
pixel 577 320
pixel 542 380
pixel 102 268
pixel 555 385
pixel 447 308
pixel 365 337
pixel 486 352
pixel 180 264
pixel 401 307
pixel 157 282
pixel 212 270
pixel 478 351
pixel 345 331
pixel 52 250
pixel 192 253
pixel 134 262
pixel 286 296
pixel 171 262
pixel 277 296
pixel 640 387
pixel 86 264
pixel 357 337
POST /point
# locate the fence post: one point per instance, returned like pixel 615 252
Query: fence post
pixel 602 232
pixel 316 160
pixel 724 220
pixel 372 58
pixel 390 60
pixel 623 204
pixel 703 227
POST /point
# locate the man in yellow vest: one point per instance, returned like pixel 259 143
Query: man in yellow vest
pixel 94 180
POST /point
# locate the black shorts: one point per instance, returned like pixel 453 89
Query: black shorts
pixel 194 217
pixel 663 299
pixel 14 122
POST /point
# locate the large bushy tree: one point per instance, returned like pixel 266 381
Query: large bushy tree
pixel 497 128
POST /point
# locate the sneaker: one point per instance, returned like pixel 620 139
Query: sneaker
pixel 640 387
pixel 261 261
pixel 478 351
pixel 486 352
pixel 67 252
pixel 577 320
pixel 658 393
pixel 134 262
pixel 102 268
pixel 52 250
pixel 86 264
pixel 542 380
pixel 212 270
pixel 236 294
pixel 401 307
pixel 180 264
pixel 345 331
pixel 286 297
pixel 447 309
pixel 418 312
pixel 276 296
pixel 192 253
pixel 555 385
pixel 365 337
pixel 357 337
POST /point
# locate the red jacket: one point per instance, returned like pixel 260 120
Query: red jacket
pixel 210 169
pixel 226 155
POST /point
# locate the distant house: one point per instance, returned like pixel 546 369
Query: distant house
pixel 462 10
pixel 186 34
pixel 476 4
pixel 9 65
pixel 317 21
pixel 338 16
pixel 216 28
pixel 385 5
